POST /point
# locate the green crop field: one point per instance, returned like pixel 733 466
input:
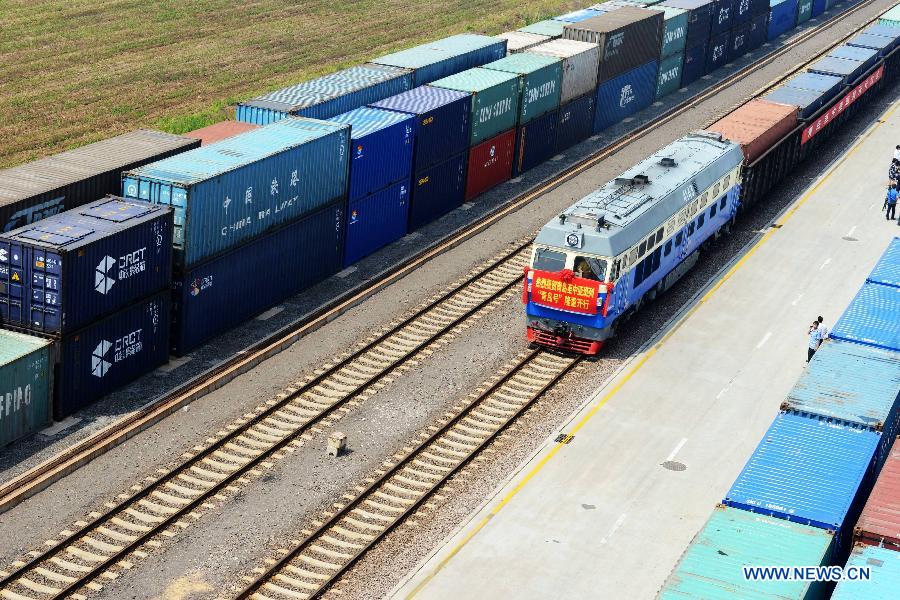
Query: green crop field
pixel 76 71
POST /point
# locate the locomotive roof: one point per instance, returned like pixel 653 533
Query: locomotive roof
pixel 618 215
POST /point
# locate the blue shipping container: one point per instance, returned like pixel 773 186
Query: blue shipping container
pixel 694 65
pixel 717 54
pixel 867 56
pixel 739 42
pixel 809 470
pixel 818 7
pixel 327 96
pixel 741 12
pixel 443 124
pixel 887 269
pixel 535 142
pixel 211 298
pixel 376 221
pixel 699 19
pixel 65 271
pixel 827 86
pixel 848 70
pixel 722 17
pixel 110 353
pixel 447 56
pixel 576 16
pixel 576 121
pixel 871 318
pixel 236 189
pixel 854 384
pixel 758 31
pixel 808 101
pixel 881 44
pixel 437 190
pixel 892 33
pixel 381 149
pixel 759 7
pixel 625 95
pixel 782 17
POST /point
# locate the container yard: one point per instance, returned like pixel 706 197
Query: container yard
pixel 259 309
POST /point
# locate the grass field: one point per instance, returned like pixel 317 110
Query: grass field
pixel 76 71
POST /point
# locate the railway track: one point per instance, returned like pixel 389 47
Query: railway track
pixel 315 563
pixel 129 528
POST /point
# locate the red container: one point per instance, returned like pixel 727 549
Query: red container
pixel 490 163
pixel 879 523
pixel 220 131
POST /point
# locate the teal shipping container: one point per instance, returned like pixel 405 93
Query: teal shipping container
pixel 804 11
pixel 669 78
pixel 891 17
pixel 540 82
pixel 551 28
pixel 25 385
pixel 229 192
pixel 712 567
pixel 675 27
pixel 446 56
pixel 883 582
pixel 495 100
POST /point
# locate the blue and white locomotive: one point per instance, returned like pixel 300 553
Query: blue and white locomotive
pixel 628 241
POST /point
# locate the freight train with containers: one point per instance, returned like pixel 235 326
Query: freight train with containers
pixel 340 166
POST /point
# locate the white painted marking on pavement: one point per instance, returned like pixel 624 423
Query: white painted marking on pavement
pixel 615 526
pixel 722 392
pixel 677 449
pixel 850 233
pixel 796 300
pixel 764 340
pixel 825 264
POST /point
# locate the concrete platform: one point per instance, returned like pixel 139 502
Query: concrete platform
pixel 608 514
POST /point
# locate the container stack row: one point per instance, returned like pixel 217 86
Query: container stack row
pixel 799 496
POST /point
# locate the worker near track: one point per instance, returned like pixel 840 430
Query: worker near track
pixel 815 340
pixel 823 331
pixel 894 172
pixel 890 203
pixel 897 153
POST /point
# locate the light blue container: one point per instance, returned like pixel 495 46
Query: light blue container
pixel 867 56
pixel 229 192
pixel 551 28
pixel 445 57
pixel 884 572
pixel 577 16
pixel 871 318
pixel 327 96
pixel 381 148
pixel 887 270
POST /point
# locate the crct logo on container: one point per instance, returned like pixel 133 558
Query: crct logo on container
pixel 99 364
pixel 102 281
pixel 626 96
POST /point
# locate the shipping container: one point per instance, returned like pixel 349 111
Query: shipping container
pixel 738 43
pixel 675 28
pixel 758 32
pixel 891 16
pixel 741 12
pixel 807 101
pixel 490 163
pixel 757 126
pixel 711 567
pixel 540 79
pixel 552 29
pixel 883 566
pixel 867 56
pixel 887 269
pixel 437 190
pixel 669 78
pixel 871 318
pixel 227 193
pixel 60 274
pixel 580 62
pixel 327 96
pixel 848 70
pixel 804 11
pixel 535 142
pixel 782 17
pixel 882 45
pixel 827 85
pixel 219 131
pixel 442 118
pixel 625 95
pixel 381 148
pixel 694 64
pixel 64 181
pixel 717 53
pixel 818 7
pixel 446 57
pixel 576 121
pixel 520 41
pixel 211 298
pixel 699 19
pixel 375 221
pixel 853 384
pixel 25 385
pixel 887 31
pixel 628 38
pixel 576 16
pixel 721 20
pixel 495 100
pixel 759 7
pixel 879 523
pixel 110 353
pixel 810 470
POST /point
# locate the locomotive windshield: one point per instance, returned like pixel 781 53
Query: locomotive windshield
pixel 586 267
pixel 590 268
pixel 549 260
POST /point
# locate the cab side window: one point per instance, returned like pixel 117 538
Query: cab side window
pixel 589 268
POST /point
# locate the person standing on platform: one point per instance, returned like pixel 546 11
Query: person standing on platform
pixel 815 340
pixel 823 331
pixel 894 172
pixel 890 203
pixel 897 153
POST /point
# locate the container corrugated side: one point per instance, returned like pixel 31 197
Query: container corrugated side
pixel 255 276
pixel 711 567
pixel 694 64
pixel 447 56
pixel 758 32
pixel 807 101
pixel 495 100
pixel 717 52
pixel 520 41
pixel 699 18
pixel 867 56
pixel 738 42
pixel 757 126
pixel 443 122
pixel 721 20
pixel 79 265
pixel 828 86
pixel 576 121
pixel 535 143
pixel 741 12
pixel 25 385
pixel 375 221
pixel 879 523
pixel 675 28
pixel 580 63
pixel 48 186
pixel 782 17
pixel 871 318
pixel 818 7
pixel 540 82
pixel 669 78
pixel 437 190
pixel 625 95
pixel 551 28
pixel 804 11
pixel 110 353
pixel 882 45
pixel 887 269
pixel 381 148
pixel 227 193
pixel 220 131
pixel 490 163
pixel 884 575
pixel 892 33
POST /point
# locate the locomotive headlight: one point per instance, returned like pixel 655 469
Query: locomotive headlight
pixel 574 240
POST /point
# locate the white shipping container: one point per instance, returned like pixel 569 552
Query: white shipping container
pixel 580 63
pixel 520 41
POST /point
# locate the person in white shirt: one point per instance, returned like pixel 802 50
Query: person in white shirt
pixel 823 331
pixel 815 340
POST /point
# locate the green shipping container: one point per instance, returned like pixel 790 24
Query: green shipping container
pixel 540 82
pixel 550 28
pixel 25 385
pixel 495 100
pixel 891 17
pixel 804 11
pixel 675 26
pixel 669 77
pixel 711 567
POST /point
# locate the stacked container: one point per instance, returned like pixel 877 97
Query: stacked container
pixel 782 17
pixel 95 280
pixel 807 91
pixel 26 369
pixel 44 187
pixel 804 11
pixel 879 523
pixel 219 131
pixel 448 56
pixel 884 571
pixel 758 33
pixel 871 318
pixel 699 20
pixel 442 121
pixel 551 28
pixel 576 16
pixel 717 51
pixel 381 151
pixel 576 121
pixel 580 62
pixel 671 62
pixel 520 41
